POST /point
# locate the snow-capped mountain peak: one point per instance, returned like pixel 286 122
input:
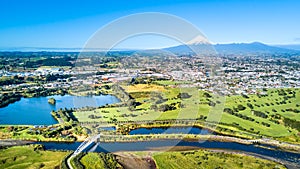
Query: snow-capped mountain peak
pixel 198 40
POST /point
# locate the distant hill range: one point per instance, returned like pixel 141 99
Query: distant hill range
pixel 198 45
pixel 293 47
pixel 234 48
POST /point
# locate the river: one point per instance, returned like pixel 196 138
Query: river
pixel 152 145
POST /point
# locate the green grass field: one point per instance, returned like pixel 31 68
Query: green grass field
pixel 191 110
pixel 26 157
pixel 270 105
pixel 92 161
pixel 274 102
pixel 99 160
pixel 210 160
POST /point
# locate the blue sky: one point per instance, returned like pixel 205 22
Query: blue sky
pixel 66 24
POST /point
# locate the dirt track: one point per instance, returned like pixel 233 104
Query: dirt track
pixel 131 161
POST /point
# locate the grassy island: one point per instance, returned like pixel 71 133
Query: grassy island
pixel 51 101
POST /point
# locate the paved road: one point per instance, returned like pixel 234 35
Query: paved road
pixel 69 162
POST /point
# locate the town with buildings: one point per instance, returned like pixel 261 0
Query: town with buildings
pixel 234 75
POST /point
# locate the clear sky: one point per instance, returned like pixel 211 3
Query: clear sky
pixel 67 24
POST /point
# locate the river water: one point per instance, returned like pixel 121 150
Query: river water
pixel 150 145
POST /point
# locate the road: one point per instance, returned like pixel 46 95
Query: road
pixel 69 162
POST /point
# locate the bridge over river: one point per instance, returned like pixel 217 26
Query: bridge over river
pixel 84 146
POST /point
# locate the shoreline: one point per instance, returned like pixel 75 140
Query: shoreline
pixel 267 144
pixel 11 143
pixel 264 142
pixel 288 164
pixel 21 96
pixel 216 150
pixel 226 151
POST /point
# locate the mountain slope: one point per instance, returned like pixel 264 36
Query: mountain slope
pixel 234 48
pixel 254 47
pixel 293 47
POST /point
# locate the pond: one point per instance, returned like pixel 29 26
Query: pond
pixel 170 130
pixel 36 110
